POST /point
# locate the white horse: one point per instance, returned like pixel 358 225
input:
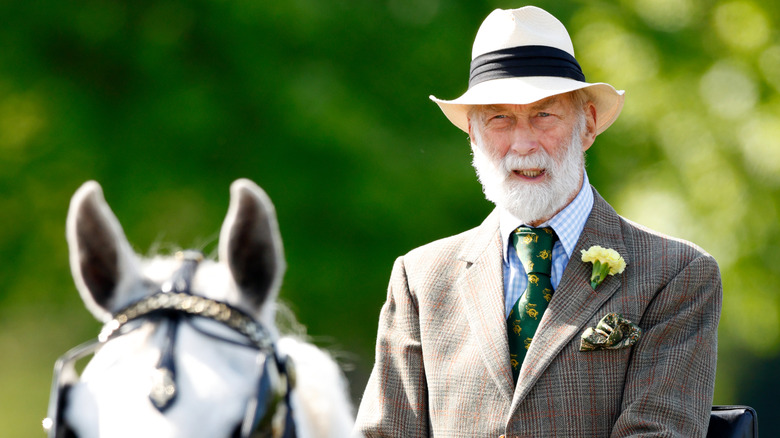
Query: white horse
pixel 189 347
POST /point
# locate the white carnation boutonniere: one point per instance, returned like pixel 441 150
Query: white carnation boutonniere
pixel 605 262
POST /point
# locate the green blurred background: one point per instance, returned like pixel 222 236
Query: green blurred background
pixel 324 104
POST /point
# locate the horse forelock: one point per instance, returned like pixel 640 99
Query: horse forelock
pixel 212 280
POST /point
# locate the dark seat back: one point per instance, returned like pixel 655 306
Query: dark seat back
pixel 733 422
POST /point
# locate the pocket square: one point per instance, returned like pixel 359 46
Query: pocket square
pixel 613 332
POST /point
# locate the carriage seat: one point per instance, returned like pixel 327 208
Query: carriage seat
pixel 733 422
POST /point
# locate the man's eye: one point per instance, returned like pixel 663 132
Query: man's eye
pixel 500 118
pixel 543 114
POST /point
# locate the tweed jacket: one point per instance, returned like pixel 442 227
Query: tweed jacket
pixel 442 356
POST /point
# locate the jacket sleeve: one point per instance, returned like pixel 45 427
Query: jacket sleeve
pixel 670 380
pixel 395 402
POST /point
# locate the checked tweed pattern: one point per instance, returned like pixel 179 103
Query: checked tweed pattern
pixel 534 248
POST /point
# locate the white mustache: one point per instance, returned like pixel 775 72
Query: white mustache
pixel 539 160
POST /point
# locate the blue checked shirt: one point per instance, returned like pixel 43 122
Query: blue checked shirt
pixel 568 225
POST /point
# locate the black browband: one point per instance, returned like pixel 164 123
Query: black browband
pixel 269 412
pixel 524 61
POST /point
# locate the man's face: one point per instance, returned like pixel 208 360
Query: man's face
pixel 529 158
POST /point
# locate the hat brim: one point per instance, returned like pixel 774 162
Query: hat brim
pixel 524 90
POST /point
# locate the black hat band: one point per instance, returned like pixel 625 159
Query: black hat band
pixel 524 61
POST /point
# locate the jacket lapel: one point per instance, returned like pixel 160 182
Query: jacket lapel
pixel 574 302
pixel 481 289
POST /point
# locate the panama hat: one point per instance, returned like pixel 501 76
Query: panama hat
pixel 521 56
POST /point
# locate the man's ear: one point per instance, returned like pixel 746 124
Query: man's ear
pixel 474 122
pixel 589 134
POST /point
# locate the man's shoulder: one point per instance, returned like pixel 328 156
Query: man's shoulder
pixel 465 246
pixel 450 246
pixel 641 240
pixel 650 244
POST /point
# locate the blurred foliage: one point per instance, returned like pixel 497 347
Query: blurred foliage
pixel 323 103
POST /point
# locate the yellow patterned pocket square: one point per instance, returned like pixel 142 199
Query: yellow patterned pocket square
pixel 613 332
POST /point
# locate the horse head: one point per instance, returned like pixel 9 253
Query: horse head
pixel 189 346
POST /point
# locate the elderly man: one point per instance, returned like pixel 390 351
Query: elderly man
pixel 555 316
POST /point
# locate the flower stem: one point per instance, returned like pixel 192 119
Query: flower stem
pixel 600 271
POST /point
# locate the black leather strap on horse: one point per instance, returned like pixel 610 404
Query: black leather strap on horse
pixel 269 413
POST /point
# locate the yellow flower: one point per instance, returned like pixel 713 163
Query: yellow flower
pixel 605 262
pixel 605 255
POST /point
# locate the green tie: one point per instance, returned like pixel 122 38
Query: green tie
pixel 534 248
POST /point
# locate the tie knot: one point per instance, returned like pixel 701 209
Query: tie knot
pixel 534 248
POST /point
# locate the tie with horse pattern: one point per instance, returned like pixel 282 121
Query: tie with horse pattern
pixel 534 248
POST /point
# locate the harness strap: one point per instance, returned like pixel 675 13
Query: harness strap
pixel 175 301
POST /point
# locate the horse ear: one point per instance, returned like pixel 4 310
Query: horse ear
pixel 100 256
pixel 251 245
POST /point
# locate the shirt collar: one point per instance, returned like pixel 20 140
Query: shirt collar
pixel 567 224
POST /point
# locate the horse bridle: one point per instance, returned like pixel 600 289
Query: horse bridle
pixel 269 411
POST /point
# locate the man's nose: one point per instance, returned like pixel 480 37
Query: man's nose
pixel 523 139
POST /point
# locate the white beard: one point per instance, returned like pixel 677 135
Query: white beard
pixel 531 203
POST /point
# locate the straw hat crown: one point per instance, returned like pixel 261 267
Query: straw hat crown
pixel 521 56
pixel 528 26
